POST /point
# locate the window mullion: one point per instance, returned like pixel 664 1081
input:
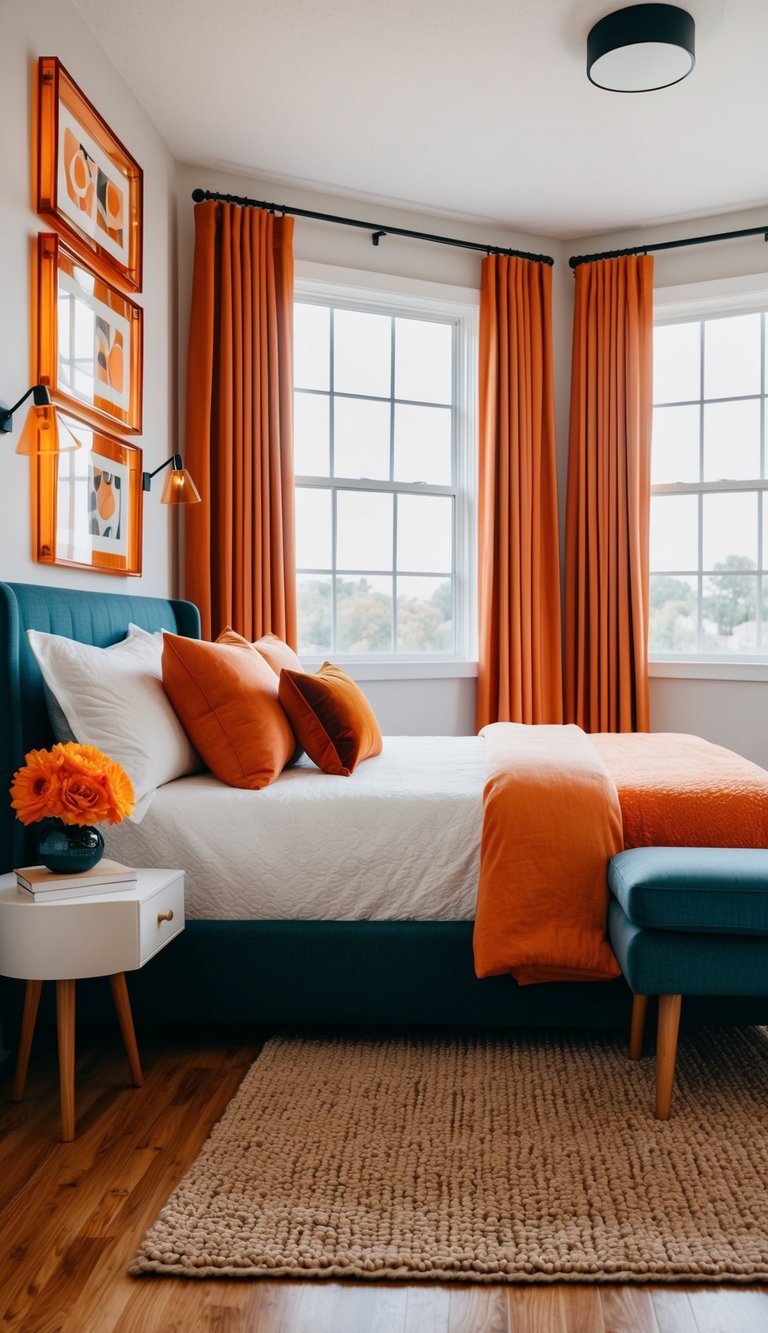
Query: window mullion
pixel 700 505
pixel 332 469
pixel 760 500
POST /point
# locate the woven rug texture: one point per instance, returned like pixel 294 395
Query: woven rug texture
pixel 523 1159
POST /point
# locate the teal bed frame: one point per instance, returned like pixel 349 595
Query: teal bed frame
pixel 368 973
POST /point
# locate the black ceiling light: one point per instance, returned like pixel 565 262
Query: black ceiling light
pixel 641 49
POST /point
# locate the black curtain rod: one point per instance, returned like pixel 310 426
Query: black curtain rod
pixel 378 229
pixel 575 260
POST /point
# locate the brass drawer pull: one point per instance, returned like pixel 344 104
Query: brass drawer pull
pixel 165 916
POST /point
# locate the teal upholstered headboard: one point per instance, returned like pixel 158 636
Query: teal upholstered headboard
pixel 91 617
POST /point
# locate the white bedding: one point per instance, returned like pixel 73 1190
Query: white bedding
pixel 398 840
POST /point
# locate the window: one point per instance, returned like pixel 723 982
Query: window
pixel 709 512
pixel 380 445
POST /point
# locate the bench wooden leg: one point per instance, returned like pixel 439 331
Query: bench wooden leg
pixel 637 1028
pixel 666 1052
pixel 125 1019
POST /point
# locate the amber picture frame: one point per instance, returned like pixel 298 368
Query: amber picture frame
pixel 87 503
pixel 87 181
pixel 89 338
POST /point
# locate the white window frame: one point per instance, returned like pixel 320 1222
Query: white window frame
pixel 394 295
pixel 742 295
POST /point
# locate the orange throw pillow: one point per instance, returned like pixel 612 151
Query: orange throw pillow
pixel 225 696
pixel 332 718
pixel 273 650
pixel 277 653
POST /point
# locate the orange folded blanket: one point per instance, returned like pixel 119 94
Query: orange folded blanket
pixel 551 823
pixel 558 804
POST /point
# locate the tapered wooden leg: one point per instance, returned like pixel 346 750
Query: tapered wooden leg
pixel 28 1020
pixel 666 1052
pixel 125 1019
pixel 637 1027
pixel 65 1023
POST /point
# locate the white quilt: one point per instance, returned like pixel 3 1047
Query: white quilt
pixel 398 840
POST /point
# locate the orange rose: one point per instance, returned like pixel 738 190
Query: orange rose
pixel 84 799
pixel 35 789
pixel 121 792
pixel 80 758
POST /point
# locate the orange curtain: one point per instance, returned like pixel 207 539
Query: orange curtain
pixel 239 542
pixel 520 676
pixel 608 509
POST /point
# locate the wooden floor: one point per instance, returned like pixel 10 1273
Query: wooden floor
pixel 71 1216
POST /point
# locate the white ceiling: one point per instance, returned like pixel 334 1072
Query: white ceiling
pixel 473 107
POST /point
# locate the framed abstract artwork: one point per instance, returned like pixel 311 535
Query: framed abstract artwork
pixel 86 180
pixel 89 337
pixel 87 503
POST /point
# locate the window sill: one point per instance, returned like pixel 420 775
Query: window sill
pixel 407 669
pixel 699 669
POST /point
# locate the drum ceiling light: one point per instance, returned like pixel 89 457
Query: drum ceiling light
pixel 641 49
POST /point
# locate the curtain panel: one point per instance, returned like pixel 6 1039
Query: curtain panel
pixel 239 563
pixel 520 675
pixel 608 503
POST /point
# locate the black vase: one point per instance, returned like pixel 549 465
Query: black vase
pixel 69 849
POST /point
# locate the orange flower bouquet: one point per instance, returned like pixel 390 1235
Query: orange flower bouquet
pixel 71 788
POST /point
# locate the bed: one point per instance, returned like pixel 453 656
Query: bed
pixel 384 949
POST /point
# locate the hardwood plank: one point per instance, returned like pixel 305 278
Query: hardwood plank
pixel 373 1307
pixel 478 1310
pixel 427 1309
pixel 628 1310
pixel 673 1310
pixel 537 1309
pixel 583 1309
pixel 726 1309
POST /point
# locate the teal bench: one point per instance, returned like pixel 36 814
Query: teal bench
pixel 686 921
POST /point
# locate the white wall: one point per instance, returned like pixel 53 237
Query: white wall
pixel 442 706
pixel 729 712
pixel 52 27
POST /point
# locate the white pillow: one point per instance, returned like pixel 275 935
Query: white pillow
pixel 113 698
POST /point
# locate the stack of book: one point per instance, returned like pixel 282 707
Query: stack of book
pixel 42 885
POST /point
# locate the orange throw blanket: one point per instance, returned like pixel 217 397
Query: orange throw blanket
pixel 551 823
pixel 681 791
pixel 558 804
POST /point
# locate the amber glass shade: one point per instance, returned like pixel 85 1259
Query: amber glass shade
pixel 44 433
pixel 179 488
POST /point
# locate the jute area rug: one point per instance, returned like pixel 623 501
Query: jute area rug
pixel 527 1159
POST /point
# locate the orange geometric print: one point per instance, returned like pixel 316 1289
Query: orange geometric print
pixel 78 173
pixel 106 502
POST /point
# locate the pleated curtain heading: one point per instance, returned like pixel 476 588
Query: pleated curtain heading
pixel 239 563
pixel 520 672
pixel 608 502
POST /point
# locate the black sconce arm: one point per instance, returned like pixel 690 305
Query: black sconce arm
pixel 41 397
pixel 146 477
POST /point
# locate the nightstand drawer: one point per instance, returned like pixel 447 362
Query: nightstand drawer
pixel 161 918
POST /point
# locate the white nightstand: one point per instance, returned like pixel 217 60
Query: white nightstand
pixel 84 937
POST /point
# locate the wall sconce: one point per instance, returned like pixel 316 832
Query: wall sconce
pixel 43 432
pixel 178 488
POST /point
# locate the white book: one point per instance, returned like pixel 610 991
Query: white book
pixel 40 881
pixel 87 891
